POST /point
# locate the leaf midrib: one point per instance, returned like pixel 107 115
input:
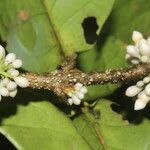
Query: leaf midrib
pixel 56 33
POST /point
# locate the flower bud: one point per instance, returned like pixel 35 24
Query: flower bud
pixel 80 95
pixel 4 91
pixel 13 93
pixel 10 58
pixel 17 63
pixel 132 51
pixel 144 48
pixel 148 40
pixel 21 81
pixel 13 72
pixel 146 80
pixel 135 61
pixel 2 52
pixel 11 86
pixel 127 56
pixel 78 86
pixel 139 104
pixel 70 101
pixel 76 100
pixel 142 95
pixel 145 59
pixel 140 83
pixel 83 90
pixel 147 89
pixel 136 36
pixel 132 91
pixel 5 81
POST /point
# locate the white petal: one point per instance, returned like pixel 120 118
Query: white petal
pixel 147 89
pixel 2 52
pixel 148 40
pixel 76 100
pixel 132 51
pixel 142 95
pixel 70 94
pixel 132 91
pixel 10 58
pixel 21 81
pixel 13 93
pixel 4 91
pixel 136 36
pixel 127 56
pixel 70 101
pixel 5 81
pixel 13 72
pixel 83 90
pixel 78 86
pixel 146 80
pixel 140 83
pixel 11 86
pixel 135 61
pixel 144 48
pixel 144 59
pixel 139 104
pixel 17 63
pixel 80 95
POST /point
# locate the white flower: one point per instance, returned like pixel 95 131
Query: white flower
pixel 21 81
pixel 70 101
pixel 140 51
pixel 10 75
pixel 2 52
pixel 5 81
pixel 139 83
pixel 132 51
pixel 146 79
pixel 4 91
pixel 13 93
pixel 134 61
pixel 77 94
pixel 132 91
pixel 139 104
pixel 17 63
pixel 142 100
pixel 13 72
pixel 10 58
pixel 144 47
pixel 136 36
pixel 76 100
pixel 147 89
pixel 80 95
pixel 78 86
pixel 141 91
pixel 11 86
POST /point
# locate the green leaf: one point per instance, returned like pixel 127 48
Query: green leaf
pixel 111 55
pixel 40 125
pixel 108 128
pixel 40 31
pixel 124 19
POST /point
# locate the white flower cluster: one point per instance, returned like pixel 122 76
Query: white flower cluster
pixel 140 51
pixel 77 94
pixel 9 75
pixel 142 92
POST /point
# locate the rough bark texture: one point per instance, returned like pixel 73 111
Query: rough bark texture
pixel 65 78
